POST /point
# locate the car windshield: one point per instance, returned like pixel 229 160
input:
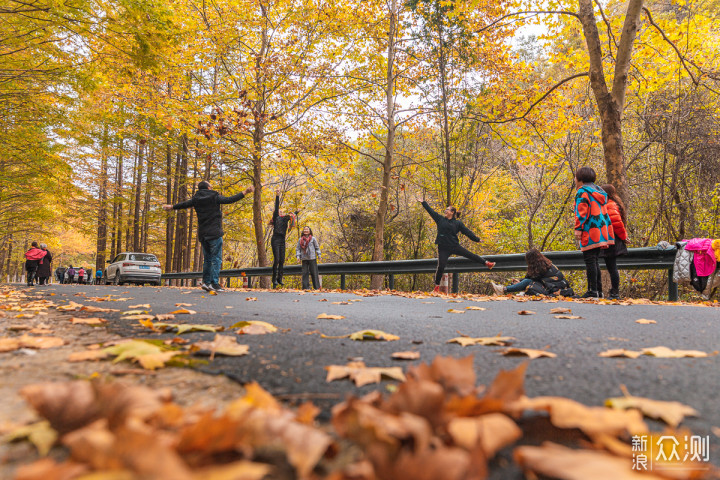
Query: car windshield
pixel 142 257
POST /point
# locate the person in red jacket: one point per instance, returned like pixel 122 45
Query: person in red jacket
pixel 32 260
pixel 616 211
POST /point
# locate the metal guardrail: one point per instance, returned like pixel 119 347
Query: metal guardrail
pixel 636 259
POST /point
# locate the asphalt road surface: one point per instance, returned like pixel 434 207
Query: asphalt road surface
pixel 290 364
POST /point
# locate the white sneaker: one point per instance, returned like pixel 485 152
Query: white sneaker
pixel 499 289
pixel 207 288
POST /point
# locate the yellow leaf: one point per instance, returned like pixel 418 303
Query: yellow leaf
pixel 527 352
pixel 488 341
pixel 184 311
pixel 373 335
pixel 325 316
pixel 455 311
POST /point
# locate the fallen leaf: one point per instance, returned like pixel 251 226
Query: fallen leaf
pixel 140 317
pixel 325 316
pixel 251 299
pixel 665 352
pixel 71 306
pixel 87 355
pixel 47 468
pixel 644 321
pixel 569 317
pixel 142 305
pixel 223 345
pixel 164 316
pixel 560 310
pixel 472 307
pixel 27 341
pixel 89 320
pixel 526 312
pixel 341 303
pixel 183 304
pixel 254 327
pixel 148 355
pixel 40 434
pixel 620 352
pixel 455 311
pixel 91 309
pixel 527 352
pixel 361 374
pixel 671 413
pixel 493 432
pixel 487 341
pixel 406 355
pixel 134 312
pixel 184 311
pixel 241 470
pixel 373 335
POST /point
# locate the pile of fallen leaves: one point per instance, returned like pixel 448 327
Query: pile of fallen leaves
pixel 438 424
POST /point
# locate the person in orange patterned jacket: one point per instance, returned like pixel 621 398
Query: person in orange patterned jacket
pixel 593 228
pixel 616 211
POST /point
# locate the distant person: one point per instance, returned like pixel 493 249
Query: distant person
pixel 542 278
pixel 593 228
pixel 281 224
pixel 60 274
pixel 81 276
pixel 44 270
pixel 70 274
pixel 308 252
pixel 98 277
pixel 448 226
pixel 618 218
pixel 32 261
pixel 210 232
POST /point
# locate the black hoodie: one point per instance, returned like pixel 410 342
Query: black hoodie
pixel 207 207
pixel 447 229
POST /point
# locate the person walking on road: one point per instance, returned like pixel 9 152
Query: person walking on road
pixel 206 203
pixel 618 218
pixel 32 261
pixel 448 226
pixel 44 267
pixel 281 224
pixel 308 251
pixel 593 228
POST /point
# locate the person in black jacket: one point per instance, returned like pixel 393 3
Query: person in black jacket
pixel 210 232
pixel 542 275
pixel 447 241
pixel 280 223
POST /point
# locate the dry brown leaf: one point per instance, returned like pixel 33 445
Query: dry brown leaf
pixel 251 299
pixel 493 431
pixel 27 341
pixel 644 321
pixel 87 355
pixel 569 317
pixel 70 307
pixel 141 317
pixel 361 374
pixel 473 307
pixel 527 352
pixel 526 312
pixel 671 413
pixel 164 316
pixel 241 470
pixel 406 355
pixel 49 469
pixel 66 405
pixel 184 311
pixel 142 305
pixel 91 309
pixel 665 352
pixel 373 335
pixel 183 304
pixel 89 320
pixel 325 316
pixel 486 341
pixel 452 310
pixel 620 352
pixel 556 461
pixel 454 301
pixel 560 310
pixel 254 327
pixel 341 303
pixel 223 345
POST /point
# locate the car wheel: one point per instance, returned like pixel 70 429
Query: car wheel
pixel 116 280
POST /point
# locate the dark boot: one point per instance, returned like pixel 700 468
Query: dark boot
pixel 614 294
pixel 591 294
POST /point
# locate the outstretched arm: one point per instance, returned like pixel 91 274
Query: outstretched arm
pixel 236 197
pixel 468 233
pixel 179 206
pixel 276 212
pixel 435 215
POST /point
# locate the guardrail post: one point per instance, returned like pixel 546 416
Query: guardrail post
pixel 342 281
pixel 455 282
pixel 249 281
pixel 391 281
pixel 672 286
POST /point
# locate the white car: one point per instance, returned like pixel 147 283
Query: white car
pixel 133 267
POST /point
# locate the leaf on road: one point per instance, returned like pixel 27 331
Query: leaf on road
pixel 70 307
pixel 452 310
pixel 560 310
pixel 241 470
pixel 569 317
pixel 251 299
pixel 487 341
pixel 254 327
pixel 325 316
pixel 27 341
pixel 454 301
pixel 134 312
pixel 406 355
pixel 527 352
pixel 87 355
pixel 341 303
pixel 373 335
pixel 183 304
pixel 223 345
pixel 526 312
pixel 141 318
pixel 361 374
pixel 556 461
pixel 148 355
pixel 145 306
pixel 665 352
pixel 40 434
pixel 620 352
pixel 91 309
pixel 472 307
pixel 164 316
pixel 89 320
pixel 671 413
pixel 184 311
pixel 493 432
pixel 645 321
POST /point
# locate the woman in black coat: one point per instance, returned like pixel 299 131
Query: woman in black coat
pixel 447 241
pixel 44 268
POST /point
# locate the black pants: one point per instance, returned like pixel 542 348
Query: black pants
pixel 310 270
pixel 592 264
pixel 445 252
pixel 611 264
pixel 31 275
pixel 278 249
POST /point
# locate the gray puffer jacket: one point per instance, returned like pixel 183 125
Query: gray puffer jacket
pixel 312 251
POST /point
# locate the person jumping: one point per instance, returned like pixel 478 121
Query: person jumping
pixel 448 226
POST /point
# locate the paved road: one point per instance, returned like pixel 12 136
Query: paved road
pixel 291 364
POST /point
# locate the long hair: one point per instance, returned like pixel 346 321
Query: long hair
pixel 302 232
pixel 537 263
pixel 456 214
pixel 612 195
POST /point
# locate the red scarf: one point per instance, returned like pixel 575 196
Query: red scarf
pixel 305 241
pixel 35 254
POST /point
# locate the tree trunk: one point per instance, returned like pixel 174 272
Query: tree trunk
pixel 376 281
pixel 148 199
pixel 611 103
pixel 138 194
pixel 181 225
pixel 102 208
pixel 119 201
pixel 131 214
pixel 170 219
